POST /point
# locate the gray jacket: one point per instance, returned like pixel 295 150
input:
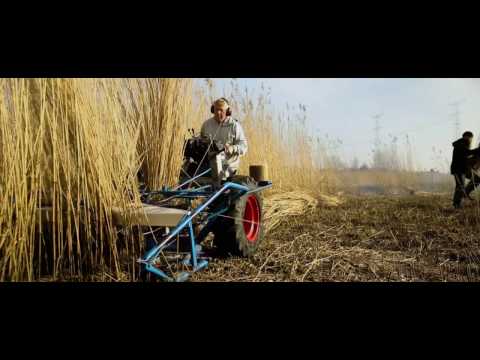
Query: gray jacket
pixel 229 132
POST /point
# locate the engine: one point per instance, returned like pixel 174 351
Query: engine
pixel 198 154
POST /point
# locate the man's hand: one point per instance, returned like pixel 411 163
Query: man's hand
pixel 230 149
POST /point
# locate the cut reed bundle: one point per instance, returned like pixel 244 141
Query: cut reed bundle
pixel 279 207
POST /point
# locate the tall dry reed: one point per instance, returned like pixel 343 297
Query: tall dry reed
pixel 280 140
pixel 69 153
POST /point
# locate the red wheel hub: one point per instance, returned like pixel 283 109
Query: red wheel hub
pixel 251 217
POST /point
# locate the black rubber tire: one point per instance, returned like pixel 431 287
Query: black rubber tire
pixel 229 234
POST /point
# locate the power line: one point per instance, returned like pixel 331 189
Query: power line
pixel 456 116
pixel 417 129
pixel 405 132
pixel 377 129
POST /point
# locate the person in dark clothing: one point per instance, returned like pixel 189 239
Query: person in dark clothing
pixel 473 167
pixel 459 168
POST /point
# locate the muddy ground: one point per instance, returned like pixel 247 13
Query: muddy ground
pixel 367 238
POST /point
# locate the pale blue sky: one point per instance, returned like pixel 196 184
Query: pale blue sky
pixel 344 108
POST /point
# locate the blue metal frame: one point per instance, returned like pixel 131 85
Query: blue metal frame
pixel 193 260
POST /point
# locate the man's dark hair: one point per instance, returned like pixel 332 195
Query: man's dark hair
pixel 468 133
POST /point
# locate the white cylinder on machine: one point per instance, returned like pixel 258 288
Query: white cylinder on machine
pixel 259 172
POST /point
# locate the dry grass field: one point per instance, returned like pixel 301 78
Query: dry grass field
pixel 76 147
pixel 366 238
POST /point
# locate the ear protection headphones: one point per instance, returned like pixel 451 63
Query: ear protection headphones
pixel 229 111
